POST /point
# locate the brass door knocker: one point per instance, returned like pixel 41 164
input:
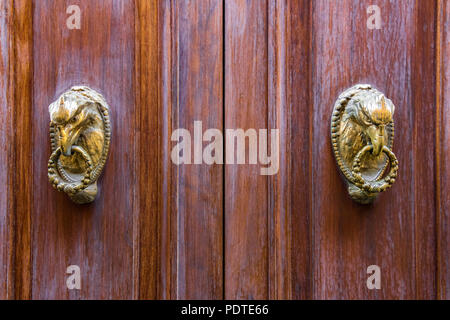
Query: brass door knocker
pixel 362 136
pixel 80 133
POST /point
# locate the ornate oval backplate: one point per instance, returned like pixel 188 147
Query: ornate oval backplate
pixel 362 136
pixel 80 133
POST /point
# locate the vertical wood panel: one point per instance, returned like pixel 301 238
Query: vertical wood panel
pixel 423 82
pixel 269 40
pixel 168 225
pixel 349 237
pixel 5 155
pixel 443 149
pixel 246 201
pixel 15 142
pixel 299 90
pixel 21 90
pixel 97 237
pixel 148 102
pixel 157 230
pixel 289 65
pixel 279 187
pixel 196 95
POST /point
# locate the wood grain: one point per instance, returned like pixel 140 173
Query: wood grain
pixel 22 85
pixel 443 149
pixel 148 253
pixel 299 91
pixel 163 240
pixel 5 163
pixel 161 231
pixel 314 51
pixel 197 95
pixel 15 203
pixel 168 226
pixel 246 203
pixel 180 76
pixel 268 81
pixel 289 192
pixel 349 237
pixel 99 237
pixel 423 80
pixel 279 186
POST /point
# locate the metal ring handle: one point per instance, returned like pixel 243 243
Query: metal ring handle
pixel 59 183
pixel 380 184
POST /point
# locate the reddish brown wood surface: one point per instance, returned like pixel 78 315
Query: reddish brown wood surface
pixel 180 77
pixel 325 47
pixel 161 231
pixel 424 89
pixel 279 186
pixel 148 251
pixel 22 101
pixel 298 158
pixel 192 90
pixel 443 149
pixel 246 203
pixel 98 237
pixel 5 131
pixel 15 219
pixel 156 230
pixel 348 237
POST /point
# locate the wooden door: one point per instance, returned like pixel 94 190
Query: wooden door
pixel 300 236
pixel 196 231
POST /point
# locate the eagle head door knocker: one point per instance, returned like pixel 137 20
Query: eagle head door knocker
pixel 80 133
pixel 362 135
